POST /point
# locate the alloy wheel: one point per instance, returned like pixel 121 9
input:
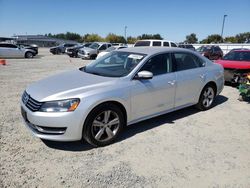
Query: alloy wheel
pixel 105 126
pixel 208 97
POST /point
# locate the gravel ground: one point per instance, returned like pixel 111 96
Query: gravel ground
pixel 186 148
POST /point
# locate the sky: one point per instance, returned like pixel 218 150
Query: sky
pixel 172 19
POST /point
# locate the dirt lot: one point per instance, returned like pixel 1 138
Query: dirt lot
pixel 186 148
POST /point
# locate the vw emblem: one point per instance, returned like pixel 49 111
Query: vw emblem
pixel 26 99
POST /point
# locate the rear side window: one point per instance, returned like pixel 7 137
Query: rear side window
pixel 159 64
pixel 165 43
pixel 156 43
pixel 142 43
pixel 173 44
pixel 185 61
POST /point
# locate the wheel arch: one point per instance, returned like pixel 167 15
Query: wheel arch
pixel 212 84
pixel 114 102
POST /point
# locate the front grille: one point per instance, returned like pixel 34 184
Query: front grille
pixel 31 103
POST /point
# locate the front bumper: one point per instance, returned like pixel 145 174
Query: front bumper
pixel 84 56
pixel 61 126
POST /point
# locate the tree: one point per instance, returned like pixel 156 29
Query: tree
pixel 231 39
pixel 113 38
pixel 93 38
pixel 191 38
pixel 150 36
pixel 131 40
pixel 215 38
pixel 243 37
pixel 73 36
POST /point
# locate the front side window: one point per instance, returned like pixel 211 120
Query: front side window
pixel 184 61
pixel 159 64
pixel 114 64
pixel 156 43
pixel 173 44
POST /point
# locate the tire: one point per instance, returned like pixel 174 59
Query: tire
pixel 29 55
pixel 103 125
pixel 93 56
pixel 206 98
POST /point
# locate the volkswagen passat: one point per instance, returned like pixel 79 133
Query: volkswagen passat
pixel 123 87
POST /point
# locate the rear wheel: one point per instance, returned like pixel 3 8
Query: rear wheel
pixel 29 55
pixel 103 125
pixel 206 98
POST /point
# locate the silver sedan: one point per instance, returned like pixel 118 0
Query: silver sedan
pixel 123 87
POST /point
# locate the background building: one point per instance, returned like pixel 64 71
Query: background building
pixel 40 40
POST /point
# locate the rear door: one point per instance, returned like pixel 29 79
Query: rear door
pixel 190 76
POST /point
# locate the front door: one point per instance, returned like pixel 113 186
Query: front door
pixel 149 97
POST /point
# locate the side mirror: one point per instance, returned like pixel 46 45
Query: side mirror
pixel 144 75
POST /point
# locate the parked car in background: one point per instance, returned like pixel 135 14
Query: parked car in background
pixel 92 51
pixel 29 46
pixel 8 50
pixel 110 49
pixel 154 42
pixel 119 44
pixel 73 51
pixel 211 52
pixel 121 88
pixel 61 48
pixel 236 63
pixel 187 46
pixel 239 49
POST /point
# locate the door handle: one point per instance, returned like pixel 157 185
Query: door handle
pixel 171 82
pixel 202 76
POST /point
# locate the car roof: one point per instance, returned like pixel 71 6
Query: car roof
pixel 155 40
pixel 242 50
pixel 153 50
pixel 102 43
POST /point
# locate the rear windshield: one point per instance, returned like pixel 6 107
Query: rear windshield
pixel 203 49
pixel 142 43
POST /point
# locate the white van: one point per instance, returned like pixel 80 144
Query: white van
pixel 153 42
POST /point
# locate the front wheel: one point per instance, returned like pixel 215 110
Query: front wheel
pixel 29 55
pixel 206 98
pixel 103 125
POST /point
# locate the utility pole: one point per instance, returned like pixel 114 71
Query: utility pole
pixel 125 33
pixel 224 17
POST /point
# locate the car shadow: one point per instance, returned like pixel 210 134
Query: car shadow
pixel 136 128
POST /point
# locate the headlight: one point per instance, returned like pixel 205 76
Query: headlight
pixel 68 105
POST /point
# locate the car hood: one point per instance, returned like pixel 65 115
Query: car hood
pixel 68 85
pixel 87 49
pixel 55 47
pixel 234 64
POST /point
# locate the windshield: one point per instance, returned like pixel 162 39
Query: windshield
pixel 94 46
pixel 202 49
pixel 114 64
pixel 237 56
pixel 110 49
